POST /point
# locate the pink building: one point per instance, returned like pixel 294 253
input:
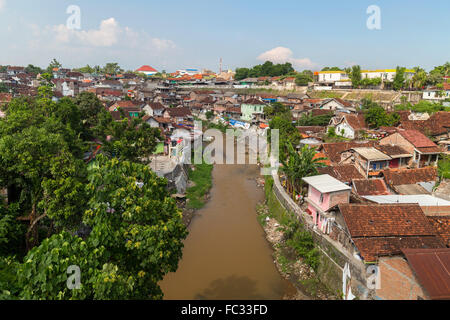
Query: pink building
pixel 324 194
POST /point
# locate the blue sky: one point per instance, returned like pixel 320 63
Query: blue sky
pixel 178 34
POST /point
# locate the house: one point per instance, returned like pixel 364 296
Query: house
pixel 233 112
pixel 252 109
pixel 331 77
pixel 435 284
pixel 67 87
pixel 368 160
pixel 349 125
pixel 159 122
pixel 324 193
pixel 12 70
pixel 345 173
pixel 411 181
pixel 179 114
pixel 154 109
pixel 435 94
pixel 337 104
pixel 425 152
pixel 384 230
pixel 399 156
pixel 437 126
pixel 124 104
pixel 333 151
pixel 386 75
pixel 370 187
pixel 147 70
pixel 75 75
pixel 111 84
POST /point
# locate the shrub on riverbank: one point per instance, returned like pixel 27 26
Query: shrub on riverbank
pixel 201 176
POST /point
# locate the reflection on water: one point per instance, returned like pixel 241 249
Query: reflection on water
pixel 226 255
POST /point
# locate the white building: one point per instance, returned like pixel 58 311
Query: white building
pixel 189 72
pixel 385 74
pixel 147 70
pixel 332 76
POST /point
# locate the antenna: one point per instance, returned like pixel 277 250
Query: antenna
pixel 220 66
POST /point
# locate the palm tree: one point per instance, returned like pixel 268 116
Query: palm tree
pixel 299 165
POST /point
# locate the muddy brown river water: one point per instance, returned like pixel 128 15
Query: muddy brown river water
pixel 226 255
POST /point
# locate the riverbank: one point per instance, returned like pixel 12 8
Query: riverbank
pixel 295 255
pixel 197 193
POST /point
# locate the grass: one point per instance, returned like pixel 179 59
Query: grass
pixel 444 167
pixel 202 179
pixel 325 94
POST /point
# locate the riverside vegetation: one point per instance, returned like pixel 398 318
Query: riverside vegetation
pixel 295 253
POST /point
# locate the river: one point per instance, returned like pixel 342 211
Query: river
pixel 226 255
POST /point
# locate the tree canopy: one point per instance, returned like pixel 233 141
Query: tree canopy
pixel 113 218
pixel 268 69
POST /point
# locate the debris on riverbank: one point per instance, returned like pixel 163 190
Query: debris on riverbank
pixel 290 266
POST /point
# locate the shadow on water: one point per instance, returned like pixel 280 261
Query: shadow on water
pixel 231 288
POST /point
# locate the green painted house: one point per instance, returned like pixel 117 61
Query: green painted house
pixel 252 109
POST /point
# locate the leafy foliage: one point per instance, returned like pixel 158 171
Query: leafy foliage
pixel 268 69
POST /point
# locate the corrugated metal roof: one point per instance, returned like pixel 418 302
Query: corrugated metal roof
pixel 432 268
pixel 326 183
pixel 372 154
pixel 422 200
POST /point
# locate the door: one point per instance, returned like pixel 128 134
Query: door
pixel 394 163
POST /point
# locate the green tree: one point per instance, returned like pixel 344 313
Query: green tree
pixel 399 79
pixel 303 79
pixel 85 69
pixel 131 139
pixel 209 114
pixel 355 75
pixel 298 165
pixel 33 70
pixel 134 218
pixel 288 134
pixel 112 68
pixel 53 64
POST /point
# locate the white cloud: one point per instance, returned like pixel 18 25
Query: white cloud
pixel 283 55
pixel 106 36
pixel 110 34
pixel 162 44
pixel 2 4
pixel 75 47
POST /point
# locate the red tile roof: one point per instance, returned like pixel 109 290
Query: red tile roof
pixel 370 187
pixel 391 220
pixel 442 226
pixel 356 121
pixel 410 176
pixel 373 248
pixel 383 230
pixel 344 173
pixel 333 150
pixel 146 69
pixel 418 139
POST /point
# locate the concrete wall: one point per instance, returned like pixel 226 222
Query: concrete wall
pixel 333 256
pixel 397 281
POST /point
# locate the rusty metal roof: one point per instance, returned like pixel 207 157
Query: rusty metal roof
pixel 432 268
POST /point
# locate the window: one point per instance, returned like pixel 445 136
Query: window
pixel 321 198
